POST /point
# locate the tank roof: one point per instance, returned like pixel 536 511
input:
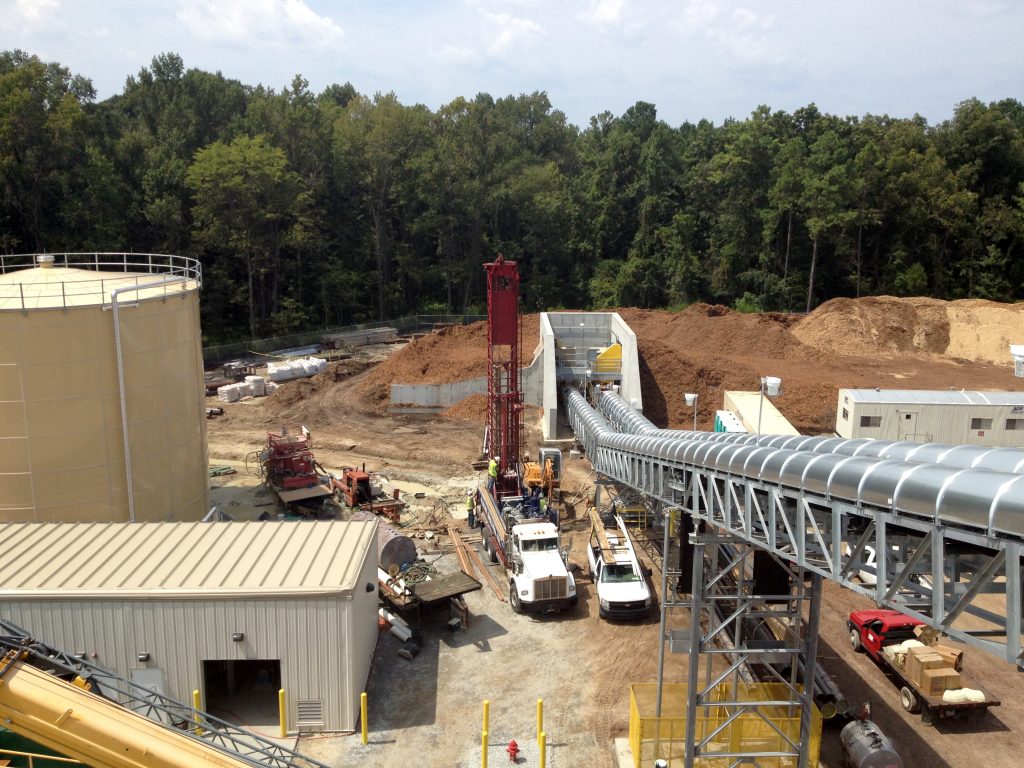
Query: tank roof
pixel 61 287
pixel 89 283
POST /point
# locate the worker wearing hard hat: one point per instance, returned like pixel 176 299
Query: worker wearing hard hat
pixel 492 471
pixel 470 510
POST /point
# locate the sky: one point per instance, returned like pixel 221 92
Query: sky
pixel 693 59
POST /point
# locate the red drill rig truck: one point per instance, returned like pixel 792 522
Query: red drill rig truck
pixel 516 530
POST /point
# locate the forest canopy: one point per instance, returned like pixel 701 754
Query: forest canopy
pixel 311 210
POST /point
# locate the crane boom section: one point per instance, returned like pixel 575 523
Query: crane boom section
pixel 69 719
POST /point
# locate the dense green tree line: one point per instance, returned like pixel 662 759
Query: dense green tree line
pixel 309 210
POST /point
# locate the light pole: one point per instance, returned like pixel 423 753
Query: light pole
pixel 691 402
pixel 772 386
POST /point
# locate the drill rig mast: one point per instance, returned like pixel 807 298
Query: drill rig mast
pixel 504 380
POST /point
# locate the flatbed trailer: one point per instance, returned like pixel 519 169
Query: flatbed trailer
pixel 872 631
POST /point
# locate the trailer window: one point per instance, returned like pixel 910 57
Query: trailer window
pixel 1014 424
pixel 871 421
pixel 981 423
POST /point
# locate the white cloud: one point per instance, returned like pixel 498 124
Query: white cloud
pixel 606 12
pixel 985 7
pixel 741 32
pixel 455 54
pixel 28 13
pixel 510 32
pixel 260 22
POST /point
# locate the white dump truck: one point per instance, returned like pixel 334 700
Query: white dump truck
pixel 528 546
pixel 615 569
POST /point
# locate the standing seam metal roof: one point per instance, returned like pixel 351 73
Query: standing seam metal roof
pixel 934 397
pixel 174 560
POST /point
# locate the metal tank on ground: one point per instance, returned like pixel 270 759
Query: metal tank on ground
pixel 99 352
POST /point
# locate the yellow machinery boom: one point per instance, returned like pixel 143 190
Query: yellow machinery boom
pixel 90 714
pixel 69 719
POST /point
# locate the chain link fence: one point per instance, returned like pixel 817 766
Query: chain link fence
pixel 403 325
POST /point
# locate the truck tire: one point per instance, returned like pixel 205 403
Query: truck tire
pixel 513 598
pixel 909 700
pixel 855 639
pixel 492 553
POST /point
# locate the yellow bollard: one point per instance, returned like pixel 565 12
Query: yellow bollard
pixel 196 702
pixel 540 718
pixel 362 716
pixel 543 749
pixel 487 715
pixel 483 749
pixel 282 713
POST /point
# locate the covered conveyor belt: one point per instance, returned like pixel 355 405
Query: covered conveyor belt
pixel 625 419
pixel 87 713
pixel 930 523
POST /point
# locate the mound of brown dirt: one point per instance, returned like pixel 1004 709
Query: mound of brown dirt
pixel 886 342
pixel 451 354
pixel 298 401
pixel 472 408
pixel 983 330
pixel 885 325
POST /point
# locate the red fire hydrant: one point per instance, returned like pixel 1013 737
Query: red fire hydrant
pixel 513 751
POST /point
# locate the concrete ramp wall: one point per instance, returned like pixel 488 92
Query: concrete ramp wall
pixel 568 346
pixel 441 396
pixel 570 342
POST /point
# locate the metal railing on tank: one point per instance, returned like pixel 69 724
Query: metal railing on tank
pixel 134 268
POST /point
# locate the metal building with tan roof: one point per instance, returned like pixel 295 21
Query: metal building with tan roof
pixel 235 610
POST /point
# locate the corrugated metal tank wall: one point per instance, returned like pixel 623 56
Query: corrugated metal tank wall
pixel 62 452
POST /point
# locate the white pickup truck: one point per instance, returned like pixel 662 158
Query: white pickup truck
pixel 621 582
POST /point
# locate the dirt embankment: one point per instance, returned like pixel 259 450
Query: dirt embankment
pixel 887 342
pixel 452 354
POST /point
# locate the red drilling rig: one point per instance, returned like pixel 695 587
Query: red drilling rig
pixel 504 381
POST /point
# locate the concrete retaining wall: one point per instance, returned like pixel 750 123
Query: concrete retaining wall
pixel 446 395
pixel 584 332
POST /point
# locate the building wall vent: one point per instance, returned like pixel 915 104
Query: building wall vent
pixel 310 712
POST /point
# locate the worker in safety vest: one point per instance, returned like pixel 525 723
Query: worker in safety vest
pixel 470 510
pixel 492 471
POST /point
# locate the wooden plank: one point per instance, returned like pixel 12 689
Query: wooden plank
pixel 499 593
pixel 460 550
pixel 597 526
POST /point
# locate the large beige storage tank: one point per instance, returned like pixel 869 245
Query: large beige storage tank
pixel 96 351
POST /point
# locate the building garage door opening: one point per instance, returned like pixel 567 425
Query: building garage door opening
pixel 243 692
